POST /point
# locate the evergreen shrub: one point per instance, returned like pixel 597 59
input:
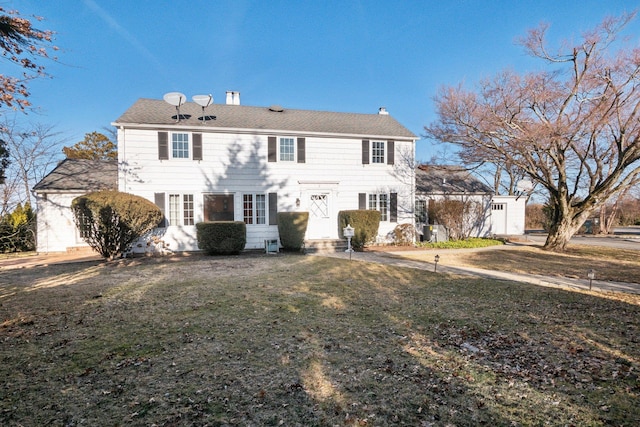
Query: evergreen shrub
pixel 365 224
pixel 111 221
pixel 221 237
pixel 292 226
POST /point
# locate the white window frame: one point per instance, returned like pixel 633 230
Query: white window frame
pixel 290 156
pixel 379 202
pixel 181 209
pixel 180 145
pixel 256 213
pixel 378 151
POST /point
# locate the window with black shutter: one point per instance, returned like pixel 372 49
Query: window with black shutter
pixel 159 200
pixel 273 208
pixel 365 151
pixel 163 146
pixel 197 146
pixel 301 150
pixel 272 148
pixel 393 207
pixel 390 152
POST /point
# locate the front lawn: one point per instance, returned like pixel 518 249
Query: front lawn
pixel 308 341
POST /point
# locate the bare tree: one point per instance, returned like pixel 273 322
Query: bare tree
pixel 33 150
pixel 22 45
pixel 573 130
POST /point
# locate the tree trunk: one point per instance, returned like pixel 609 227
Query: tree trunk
pixel 559 235
pixel 566 224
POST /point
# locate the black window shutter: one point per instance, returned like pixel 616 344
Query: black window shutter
pixel 365 151
pixel 163 146
pixel 391 154
pixel 393 207
pixel 273 208
pixel 197 146
pixel 273 151
pixel 362 201
pixel 158 199
pixel 302 151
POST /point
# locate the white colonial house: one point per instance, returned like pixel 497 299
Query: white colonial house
pixel 244 163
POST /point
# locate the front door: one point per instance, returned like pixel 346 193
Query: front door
pixel 320 224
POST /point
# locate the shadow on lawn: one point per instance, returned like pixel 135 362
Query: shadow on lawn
pixel 309 341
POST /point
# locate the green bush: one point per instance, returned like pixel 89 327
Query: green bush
pixel 365 224
pixel 221 237
pixel 111 221
pixel 472 242
pixel 292 227
pixel 17 230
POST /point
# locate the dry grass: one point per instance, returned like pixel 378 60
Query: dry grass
pixel 308 341
pixel 617 265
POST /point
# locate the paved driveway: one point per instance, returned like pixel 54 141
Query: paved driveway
pixel 624 240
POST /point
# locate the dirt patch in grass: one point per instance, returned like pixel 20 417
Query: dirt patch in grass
pixel 309 341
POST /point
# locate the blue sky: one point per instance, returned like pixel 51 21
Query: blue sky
pixel 350 56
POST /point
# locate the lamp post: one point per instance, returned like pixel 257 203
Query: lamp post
pixel 436 259
pixel 348 232
pixel 591 275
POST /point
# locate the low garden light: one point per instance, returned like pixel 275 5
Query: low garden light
pixel 591 275
pixel 348 232
pixel 436 259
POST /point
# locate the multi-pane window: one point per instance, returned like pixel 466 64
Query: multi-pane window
pixel 287 150
pixel 181 207
pixel 421 211
pixel 380 202
pixel 261 209
pixel 377 152
pixel 247 208
pixel 180 145
pixel 187 202
pixel 254 208
pixel 174 209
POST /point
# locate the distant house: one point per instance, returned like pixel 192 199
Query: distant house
pixel 244 163
pixel 501 215
pixel 56 229
pixel 436 184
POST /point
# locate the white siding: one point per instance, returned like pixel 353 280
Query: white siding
pixel 511 222
pixel 57 231
pixel 237 164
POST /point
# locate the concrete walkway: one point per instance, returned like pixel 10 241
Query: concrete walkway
pixel 390 258
pixel 393 258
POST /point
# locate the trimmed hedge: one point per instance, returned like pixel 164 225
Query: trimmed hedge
pixel 292 227
pixel 365 224
pixel 221 237
pixel 111 221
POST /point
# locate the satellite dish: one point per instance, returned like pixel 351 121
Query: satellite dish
pixel 524 185
pixel 175 98
pixel 203 100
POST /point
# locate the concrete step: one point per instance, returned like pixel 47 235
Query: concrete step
pixel 325 246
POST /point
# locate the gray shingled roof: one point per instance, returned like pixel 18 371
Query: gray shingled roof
pixel 80 175
pixel 432 179
pixel 157 112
